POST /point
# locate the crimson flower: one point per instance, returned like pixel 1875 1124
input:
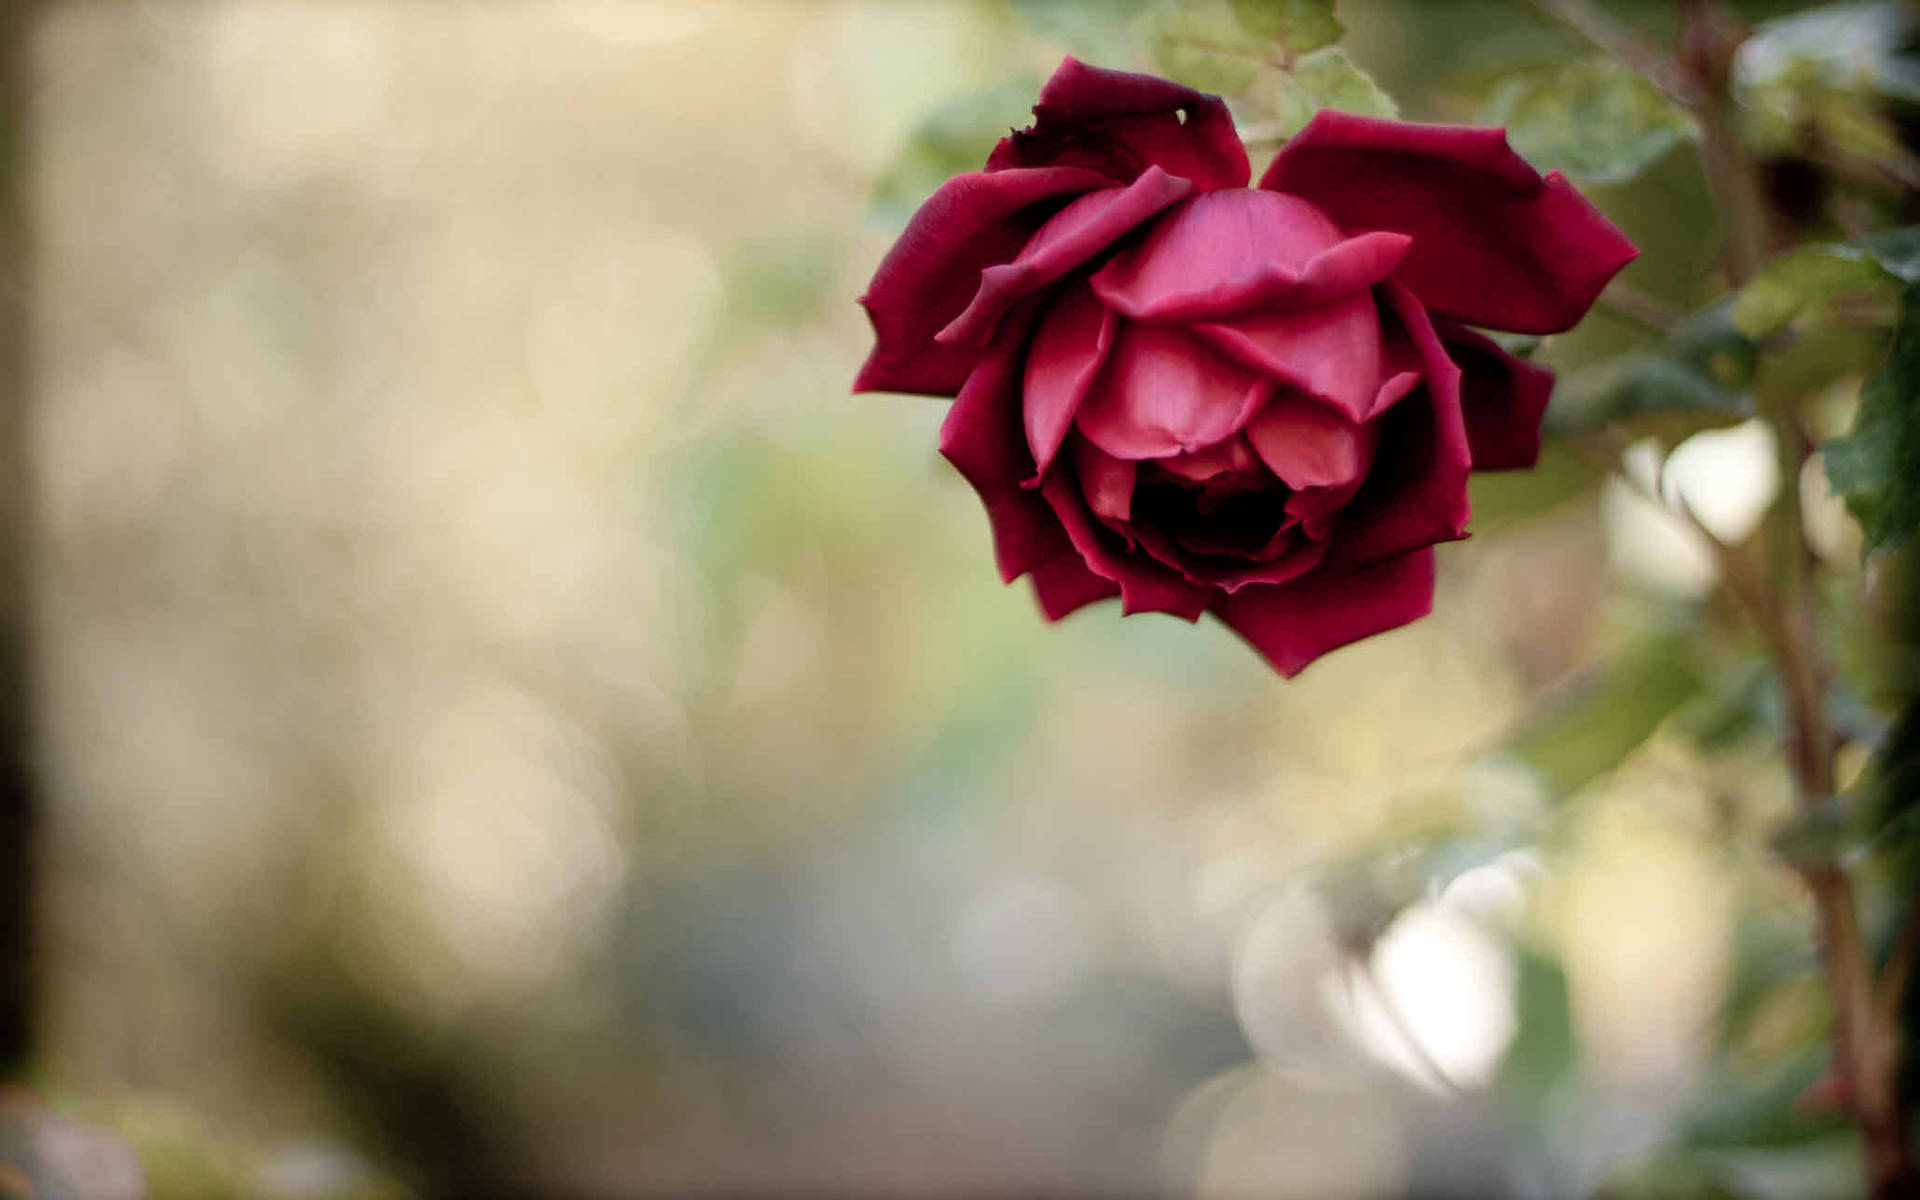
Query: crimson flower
pixel 1198 396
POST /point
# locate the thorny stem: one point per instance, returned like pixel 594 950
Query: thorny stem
pixel 1865 1034
pixel 1707 43
pixel 1866 1030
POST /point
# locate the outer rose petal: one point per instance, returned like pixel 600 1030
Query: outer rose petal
pixel 932 272
pixel 1292 557
pixel 1416 493
pixel 1120 123
pixel 1502 397
pixel 1294 623
pixel 1494 244
pixel 981 437
pixel 1145 585
pixel 1063 584
pixel 1075 234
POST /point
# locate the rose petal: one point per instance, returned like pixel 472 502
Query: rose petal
pixel 1295 623
pixel 1120 123
pixel 1224 253
pixel 981 437
pixel 933 271
pixel 1074 235
pixel 1494 244
pixel 1162 393
pixel 1315 508
pixel 1311 445
pixel 1063 584
pixel 1145 586
pixel 1416 492
pixel 1332 352
pixel 1233 456
pixel 1501 396
pixel 1073 341
pixel 1286 556
pixel 1105 481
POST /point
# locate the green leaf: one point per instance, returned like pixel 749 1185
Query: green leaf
pixel 1697 378
pixel 1742 705
pixel 1545 1049
pixel 1329 79
pixel 1876 466
pixel 1299 26
pixel 1200 43
pixel 1597 121
pixel 1763 1111
pixel 1825 77
pixel 1592 725
pixel 1802 286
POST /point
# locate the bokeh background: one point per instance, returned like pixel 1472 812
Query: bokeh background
pixel 511 723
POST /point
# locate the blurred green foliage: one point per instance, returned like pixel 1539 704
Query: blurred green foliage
pixel 494 789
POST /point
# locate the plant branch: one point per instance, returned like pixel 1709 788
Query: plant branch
pixel 1627 46
pixel 1898 972
pixel 1647 311
pixel 1707 45
pixel 1865 1040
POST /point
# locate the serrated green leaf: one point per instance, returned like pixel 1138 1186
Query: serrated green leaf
pixel 1298 26
pixel 1876 466
pixel 1803 284
pixel 1202 44
pixel 1597 121
pixel 1329 79
pixel 1605 715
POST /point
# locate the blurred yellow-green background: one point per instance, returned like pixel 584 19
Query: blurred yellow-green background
pixel 511 723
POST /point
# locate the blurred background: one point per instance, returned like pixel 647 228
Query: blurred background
pixel 510 723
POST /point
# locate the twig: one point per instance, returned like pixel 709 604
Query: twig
pixel 1628 46
pixel 1898 971
pixel 1642 309
pixel 1706 55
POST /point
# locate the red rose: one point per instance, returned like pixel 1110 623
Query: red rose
pixel 1204 397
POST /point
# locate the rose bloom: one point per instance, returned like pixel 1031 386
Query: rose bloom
pixel 1197 396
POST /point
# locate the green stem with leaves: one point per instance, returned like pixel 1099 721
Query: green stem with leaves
pixel 1866 1032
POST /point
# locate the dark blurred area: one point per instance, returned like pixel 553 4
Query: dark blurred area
pixel 503 720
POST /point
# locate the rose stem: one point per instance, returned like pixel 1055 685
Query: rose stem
pixel 1866 1037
